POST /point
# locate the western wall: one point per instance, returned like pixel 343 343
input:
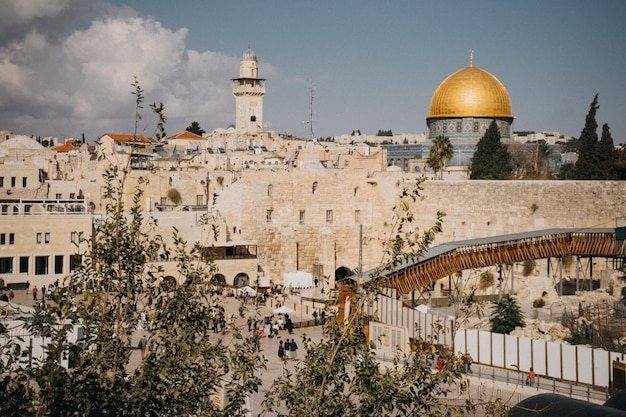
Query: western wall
pixel 287 213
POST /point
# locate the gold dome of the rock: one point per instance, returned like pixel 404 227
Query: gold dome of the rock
pixel 470 92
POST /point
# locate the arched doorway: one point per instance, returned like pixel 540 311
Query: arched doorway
pixel 241 280
pixel 169 282
pixel 219 279
pixel 342 272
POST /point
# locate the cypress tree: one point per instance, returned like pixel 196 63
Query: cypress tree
pixel 585 168
pixel 607 155
pixel 491 160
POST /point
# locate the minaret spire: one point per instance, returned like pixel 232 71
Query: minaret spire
pixel 471 57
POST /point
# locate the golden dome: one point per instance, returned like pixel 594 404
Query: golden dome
pixel 470 92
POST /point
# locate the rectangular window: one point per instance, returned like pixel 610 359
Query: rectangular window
pixel 41 265
pixel 72 196
pixel 3 238
pixel 13 180
pixel 47 237
pixel 163 201
pixel 39 236
pixel 11 238
pixel 357 216
pixel 58 264
pixel 24 182
pixel 268 215
pixel 302 216
pixel 6 265
pixel 57 196
pixel 329 216
pixel 1 181
pixel 75 261
pixel 23 264
pixel 199 199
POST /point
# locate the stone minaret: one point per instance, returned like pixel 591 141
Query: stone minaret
pixel 249 91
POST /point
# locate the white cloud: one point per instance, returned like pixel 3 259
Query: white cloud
pixel 81 83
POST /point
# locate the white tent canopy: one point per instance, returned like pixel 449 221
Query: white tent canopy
pixel 298 279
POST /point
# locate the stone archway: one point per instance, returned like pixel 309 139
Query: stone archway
pixel 342 272
pixel 219 279
pixel 241 280
pixel 169 282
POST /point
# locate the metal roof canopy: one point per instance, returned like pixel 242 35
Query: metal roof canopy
pixel 448 258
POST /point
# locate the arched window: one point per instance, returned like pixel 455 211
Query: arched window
pixel 270 189
pixel 314 188
pixel 356 192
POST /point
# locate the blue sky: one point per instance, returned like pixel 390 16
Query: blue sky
pixel 66 68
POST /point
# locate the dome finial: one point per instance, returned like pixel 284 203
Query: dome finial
pixel 471 57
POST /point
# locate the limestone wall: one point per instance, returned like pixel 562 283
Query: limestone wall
pixel 474 209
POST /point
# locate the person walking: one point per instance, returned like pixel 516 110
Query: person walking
pixel 281 351
pixel 35 293
pixel 531 378
pixel 293 347
pixel 143 344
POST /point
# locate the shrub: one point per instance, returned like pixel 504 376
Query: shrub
pixel 486 280
pixel 539 302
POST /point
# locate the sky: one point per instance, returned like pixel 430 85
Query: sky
pixel 66 66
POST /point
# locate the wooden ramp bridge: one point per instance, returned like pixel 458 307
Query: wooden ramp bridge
pixel 449 258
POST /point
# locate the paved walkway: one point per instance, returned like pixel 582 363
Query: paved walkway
pixel 485 382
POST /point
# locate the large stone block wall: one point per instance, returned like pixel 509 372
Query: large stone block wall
pixel 488 208
pixel 474 209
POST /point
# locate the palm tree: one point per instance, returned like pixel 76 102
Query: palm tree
pixel 440 152
pixel 543 152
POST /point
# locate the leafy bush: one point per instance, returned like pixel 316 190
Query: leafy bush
pixel 506 315
pixel 486 280
pixel 539 302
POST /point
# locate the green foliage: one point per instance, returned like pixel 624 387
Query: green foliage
pixel 175 379
pixel 384 133
pixel 441 152
pixel 579 339
pixel 194 127
pixel 539 302
pixel 506 315
pixel 341 376
pixel 116 278
pixel 491 160
pixel 597 160
pixel 486 280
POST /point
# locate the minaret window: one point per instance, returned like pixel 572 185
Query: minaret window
pixel 253 118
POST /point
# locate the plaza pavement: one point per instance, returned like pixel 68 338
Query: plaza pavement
pixel 485 382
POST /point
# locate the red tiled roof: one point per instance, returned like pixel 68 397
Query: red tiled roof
pixel 65 148
pixel 120 137
pixel 185 135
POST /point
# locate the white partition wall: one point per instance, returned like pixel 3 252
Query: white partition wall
pixel 554 360
pixel 584 360
pixel 511 352
pixel 550 359
pixel 498 350
pixel 569 359
pixel 600 368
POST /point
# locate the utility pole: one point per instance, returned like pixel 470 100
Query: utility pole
pixel 311 98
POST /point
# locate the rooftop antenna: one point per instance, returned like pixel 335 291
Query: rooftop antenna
pixel 312 98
